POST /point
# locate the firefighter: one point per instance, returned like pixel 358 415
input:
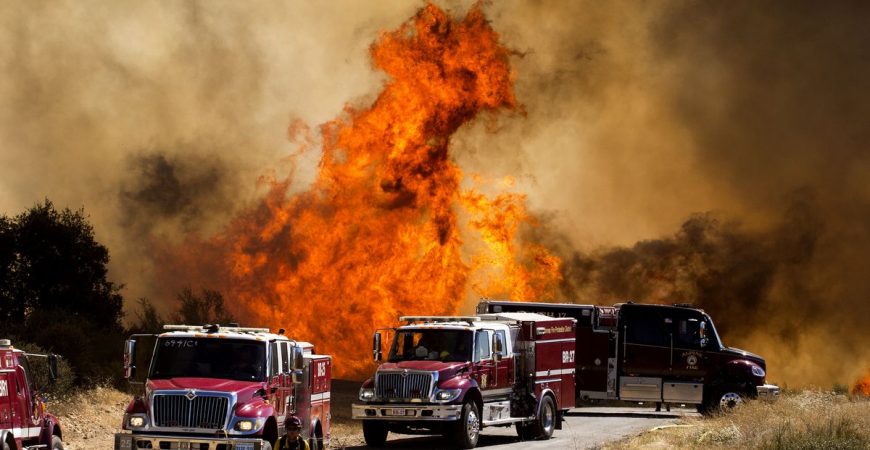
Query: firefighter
pixel 291 439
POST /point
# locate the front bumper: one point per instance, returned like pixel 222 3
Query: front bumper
pixel 767 391
pixel 128 441
pixel 409 413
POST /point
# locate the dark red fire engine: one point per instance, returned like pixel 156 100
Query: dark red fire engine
pixel 654 353
pixel 24 424
pixel 456 375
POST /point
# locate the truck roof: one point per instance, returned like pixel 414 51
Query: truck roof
pixel 222 332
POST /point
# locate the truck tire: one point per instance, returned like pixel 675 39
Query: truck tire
pixel 722 400
pixel 467 431
pixel 56 443
pixel 728 398
pixel 375 433
pixel 6 446
pixel 545 423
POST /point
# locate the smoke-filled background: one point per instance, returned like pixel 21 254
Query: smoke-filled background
pixel 712 153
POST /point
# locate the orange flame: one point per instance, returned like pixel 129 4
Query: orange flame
pixel 862 386
pixel 380 234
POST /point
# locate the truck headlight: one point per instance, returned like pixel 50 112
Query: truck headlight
pixel 758 371
pixel 366 394
pixel 245 425
pixel 447 395
pixel 136 422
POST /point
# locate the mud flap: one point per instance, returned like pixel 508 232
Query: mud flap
pixel 560 416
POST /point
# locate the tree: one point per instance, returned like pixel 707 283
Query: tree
pixel 54 290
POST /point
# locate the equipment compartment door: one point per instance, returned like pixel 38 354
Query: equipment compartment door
pixel 6 387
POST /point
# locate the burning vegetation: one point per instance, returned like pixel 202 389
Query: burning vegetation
pixel 862 386
pixel 387 227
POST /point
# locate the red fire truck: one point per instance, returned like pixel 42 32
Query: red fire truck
pixel 217 387
pixel 654 353
pixel 456 375
pixel 24 424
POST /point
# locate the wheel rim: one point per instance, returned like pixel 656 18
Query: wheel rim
pixel 730 400
pixel 472 426
pixel 547 417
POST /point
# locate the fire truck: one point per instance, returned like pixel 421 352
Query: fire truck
pixel 24 424
pixel 455 375
pixel 654 353
pixel 216 387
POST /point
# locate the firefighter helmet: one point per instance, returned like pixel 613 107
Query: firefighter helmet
pixel 292 423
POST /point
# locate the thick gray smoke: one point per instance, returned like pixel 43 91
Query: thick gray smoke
pixel 715 153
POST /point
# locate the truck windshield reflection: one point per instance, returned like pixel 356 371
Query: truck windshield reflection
pixel 229 359
pixel 433 345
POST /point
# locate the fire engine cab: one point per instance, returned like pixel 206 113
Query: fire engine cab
pixel 216 387
pixel 24 424
pixel 456 375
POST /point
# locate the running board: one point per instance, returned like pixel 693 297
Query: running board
pixel 509 420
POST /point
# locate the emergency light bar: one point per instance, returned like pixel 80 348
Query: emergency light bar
pixel 213 327
pixel 412 319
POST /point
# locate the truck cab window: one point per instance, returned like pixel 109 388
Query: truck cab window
pixel 285 355
pixel 504 343
pixel 648 329
pixel 275 364
pixel 688 333
pixel 481 346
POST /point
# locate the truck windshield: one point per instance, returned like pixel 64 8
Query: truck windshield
pixel 435 345
pixel 229 359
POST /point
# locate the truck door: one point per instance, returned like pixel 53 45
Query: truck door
pixel 483 364
pixel 504 370
pixel 276 375
pixel 689 358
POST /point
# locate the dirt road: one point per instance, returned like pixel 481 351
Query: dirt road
pixel 584 428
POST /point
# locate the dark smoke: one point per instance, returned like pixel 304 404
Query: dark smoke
pixel 163 188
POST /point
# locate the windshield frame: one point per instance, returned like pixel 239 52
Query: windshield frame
pixel 263 354
pixel 459 357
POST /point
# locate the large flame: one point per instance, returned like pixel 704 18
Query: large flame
pixel 386 229
pixel 862 386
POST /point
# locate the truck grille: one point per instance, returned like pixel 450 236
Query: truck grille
pixel 401 385
pixel 176 411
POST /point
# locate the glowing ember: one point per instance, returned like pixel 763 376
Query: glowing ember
pixel 862 386
pixel 379 233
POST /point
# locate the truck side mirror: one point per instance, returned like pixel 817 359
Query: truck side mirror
pixel 129 358
pixel 497 347
pixel 377 354
pixel 52 369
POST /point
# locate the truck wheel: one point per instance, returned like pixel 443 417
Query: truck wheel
pixel 468 428
pixel 56 444
pixel 375 433
pixel 728 399
pixel 6 446
pixel 546 421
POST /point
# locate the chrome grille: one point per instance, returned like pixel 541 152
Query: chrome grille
pixel 176 411
pixel 401 385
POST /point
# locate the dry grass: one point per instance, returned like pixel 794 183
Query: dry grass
pixel 89 419
pixel 805 420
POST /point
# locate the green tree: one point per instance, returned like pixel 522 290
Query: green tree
pixel 54 290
